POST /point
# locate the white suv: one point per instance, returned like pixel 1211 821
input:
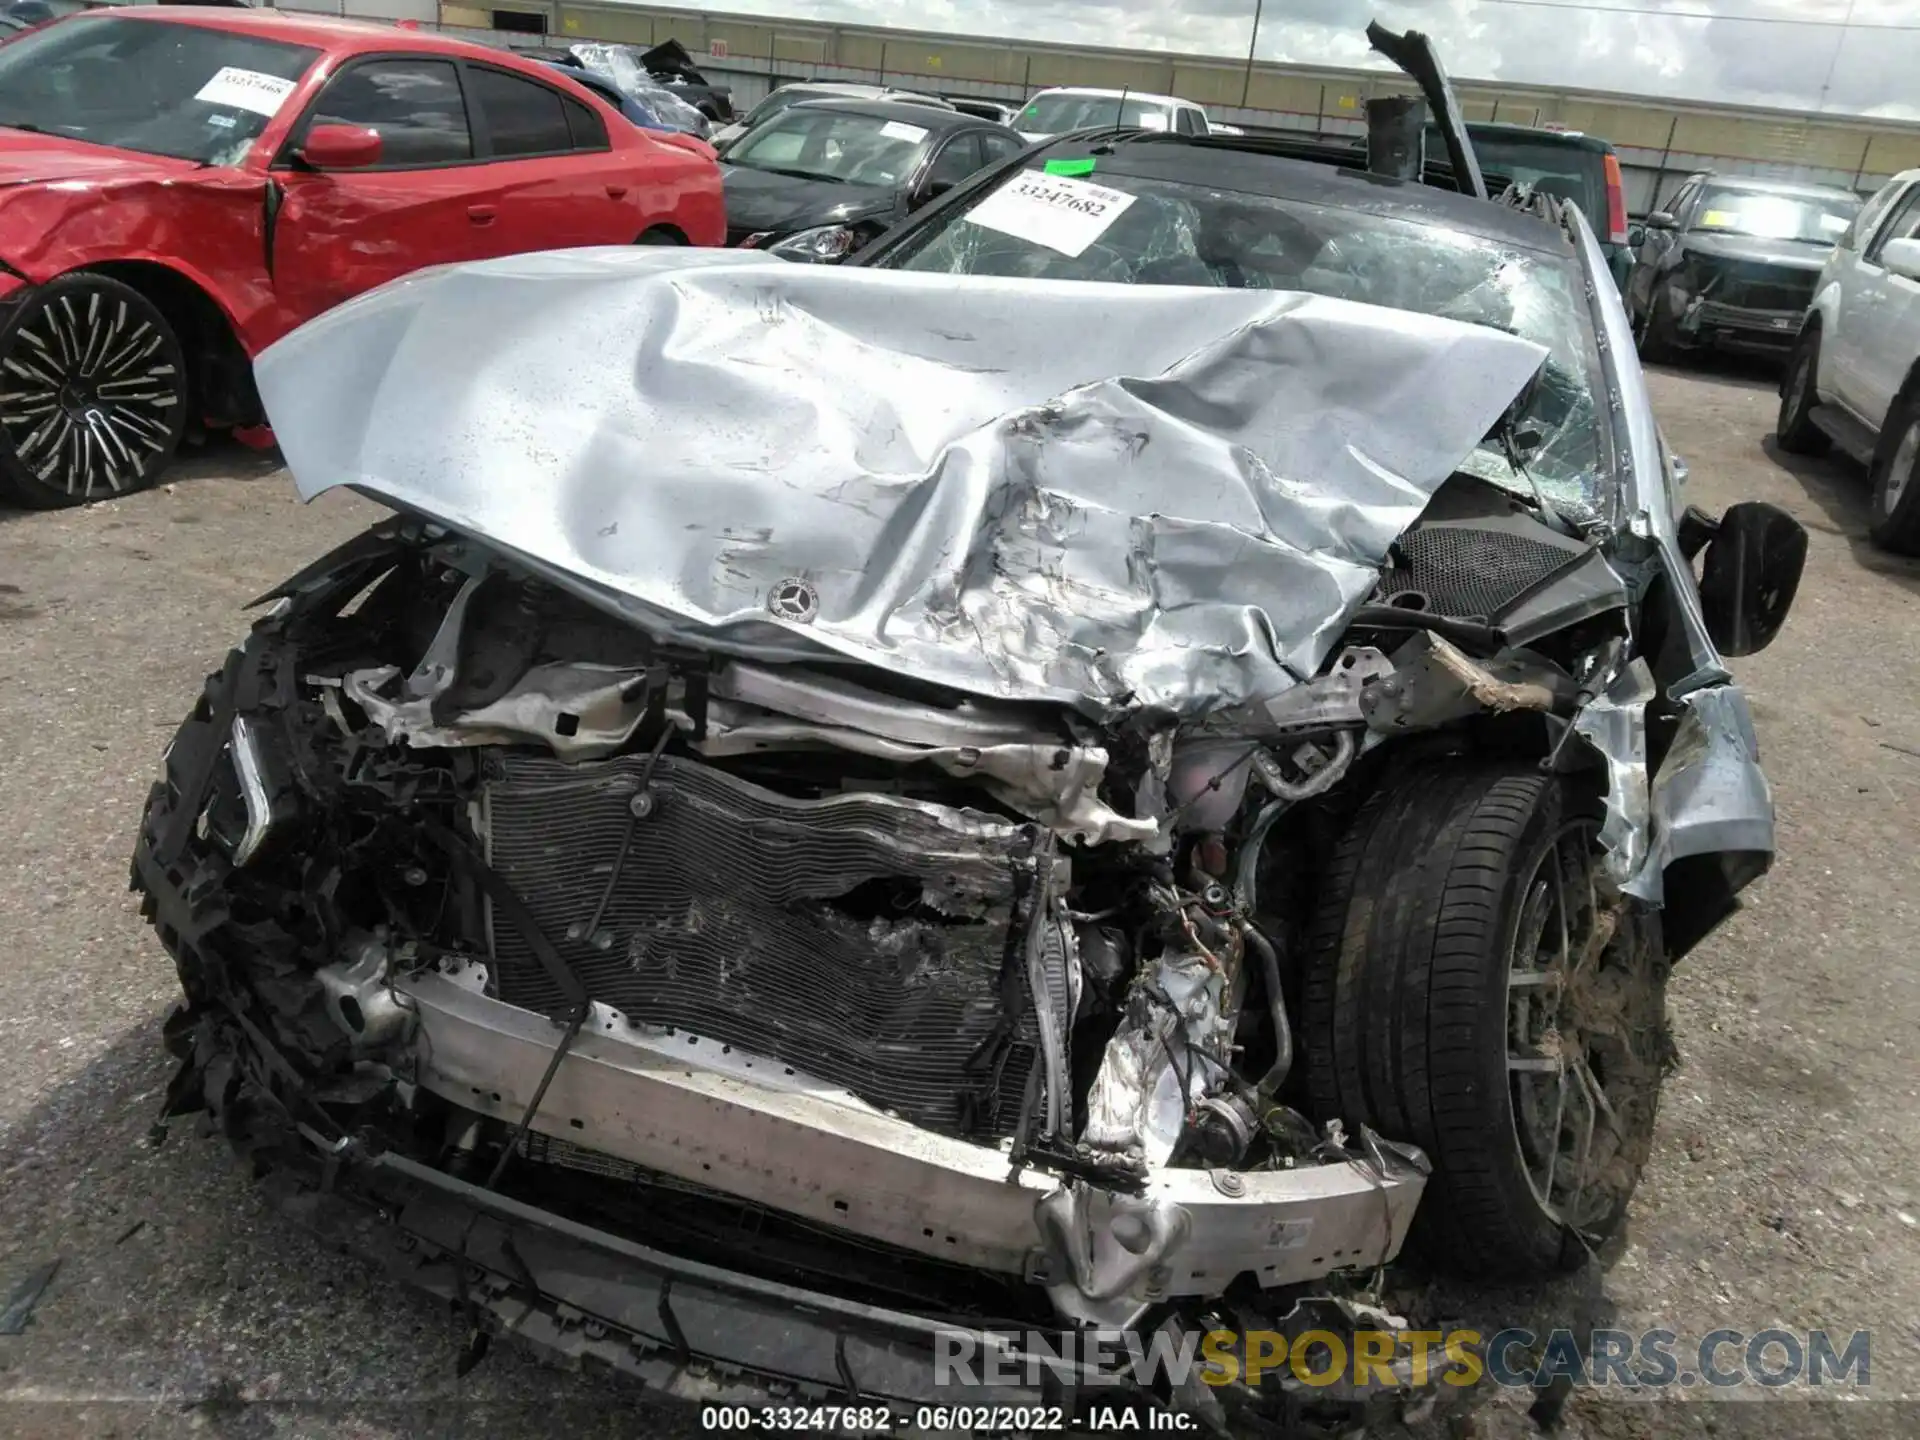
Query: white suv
pixel 1073 107
pixel 1854 377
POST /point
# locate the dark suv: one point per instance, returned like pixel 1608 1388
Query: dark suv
pixel 1568 166
pixel 1732 263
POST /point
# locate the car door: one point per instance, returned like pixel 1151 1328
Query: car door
pixel 957 158
pixel 1880 319
pixel 338 233
pixel 1862 285
pixel 997 145
pixel 549 176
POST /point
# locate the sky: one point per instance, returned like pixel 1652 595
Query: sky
pixel 1736 51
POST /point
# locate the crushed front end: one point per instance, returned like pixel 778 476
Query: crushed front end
pixel 486 905
pixel 1089 854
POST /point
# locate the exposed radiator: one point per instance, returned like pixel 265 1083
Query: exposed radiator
pixel 862 939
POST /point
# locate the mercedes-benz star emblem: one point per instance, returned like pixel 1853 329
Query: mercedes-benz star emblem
pixel 794 600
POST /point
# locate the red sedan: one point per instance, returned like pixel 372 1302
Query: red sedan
pixel 181 187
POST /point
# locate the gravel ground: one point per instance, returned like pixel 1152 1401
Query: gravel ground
pixel 1783 1190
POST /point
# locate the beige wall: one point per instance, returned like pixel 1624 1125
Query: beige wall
pixel 1700 134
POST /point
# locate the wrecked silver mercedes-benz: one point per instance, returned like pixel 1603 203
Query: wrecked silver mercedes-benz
pixel 848 805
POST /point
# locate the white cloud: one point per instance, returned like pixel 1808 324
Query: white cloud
pixel 1724 50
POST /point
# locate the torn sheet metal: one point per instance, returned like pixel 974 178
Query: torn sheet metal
pixel 1614 722
pixel 1709 794
pixel 1434 682
pixel 1054 784
pixel 1712 785
pixel 581 711
pixel 1082 494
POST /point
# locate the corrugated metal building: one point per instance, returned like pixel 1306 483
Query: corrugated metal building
pixel 1660 142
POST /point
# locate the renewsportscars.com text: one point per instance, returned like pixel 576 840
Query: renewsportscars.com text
pixel 1721 1360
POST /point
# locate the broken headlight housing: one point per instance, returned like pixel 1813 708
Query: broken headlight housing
pixel 822 245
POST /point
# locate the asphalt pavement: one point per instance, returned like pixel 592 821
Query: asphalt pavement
pixel 1784 1188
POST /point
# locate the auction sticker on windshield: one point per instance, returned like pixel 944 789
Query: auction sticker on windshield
pixel 900 130
pixel 1056 211
pixel 245 90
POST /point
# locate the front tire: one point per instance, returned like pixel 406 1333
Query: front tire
pixel 1895 524
pixel 1800 392
pixel 1476 987
pixel 93 393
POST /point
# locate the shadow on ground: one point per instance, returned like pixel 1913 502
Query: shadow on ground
pixel 1839 487
pixel 1727 370
pixel 219 456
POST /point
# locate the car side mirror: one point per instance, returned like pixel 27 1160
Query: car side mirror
pixel 1636 235
pixel 1752 570
pixel 1662 220
pixel 1902 257
pixel 933 190
pixel 340 147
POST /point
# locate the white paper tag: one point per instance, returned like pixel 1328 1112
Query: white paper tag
pixel 1153 120
pixel 900 130
pixel 1056 211
pixel 245 90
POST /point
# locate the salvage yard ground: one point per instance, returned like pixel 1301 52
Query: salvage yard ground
pixel 1784 1190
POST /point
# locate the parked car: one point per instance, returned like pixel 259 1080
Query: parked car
pixel 1732 264
pixel 928 797
pixel 671 65
pixel 29 13
pixel 682 105
pixel 1854 376
pixel 998 111
pixel 1073 107
pixel 635 109
pixel 1569 166
pixel 794 94
pixel 824 176
pixel 179 189
pixel 616 79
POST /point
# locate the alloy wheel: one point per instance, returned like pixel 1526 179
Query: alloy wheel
pixel 1586 1038
pixel 93 394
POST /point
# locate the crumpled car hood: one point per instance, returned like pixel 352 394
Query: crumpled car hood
pixel 28 159
pixel 1083 494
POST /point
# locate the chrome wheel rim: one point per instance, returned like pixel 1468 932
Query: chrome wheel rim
pixel 1900 471
pixel 90 394
pixel 1586 1039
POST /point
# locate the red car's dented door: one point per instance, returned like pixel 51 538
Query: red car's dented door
pixel 339 234
pixel 425 199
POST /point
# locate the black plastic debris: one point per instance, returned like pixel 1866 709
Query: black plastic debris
pixel 18 1310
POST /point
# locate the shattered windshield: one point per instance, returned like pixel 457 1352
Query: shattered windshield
pixel 1133 231
pixel 1813 219
pixel 1057 114
pixel 833 145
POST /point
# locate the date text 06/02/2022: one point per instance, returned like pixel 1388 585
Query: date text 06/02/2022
pixel 970 1419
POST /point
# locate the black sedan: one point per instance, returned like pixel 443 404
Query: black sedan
pixel 826 176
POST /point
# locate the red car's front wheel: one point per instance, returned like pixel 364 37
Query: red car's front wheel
pixel 93 393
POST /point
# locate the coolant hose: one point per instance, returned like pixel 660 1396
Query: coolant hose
pixel 1271 1082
